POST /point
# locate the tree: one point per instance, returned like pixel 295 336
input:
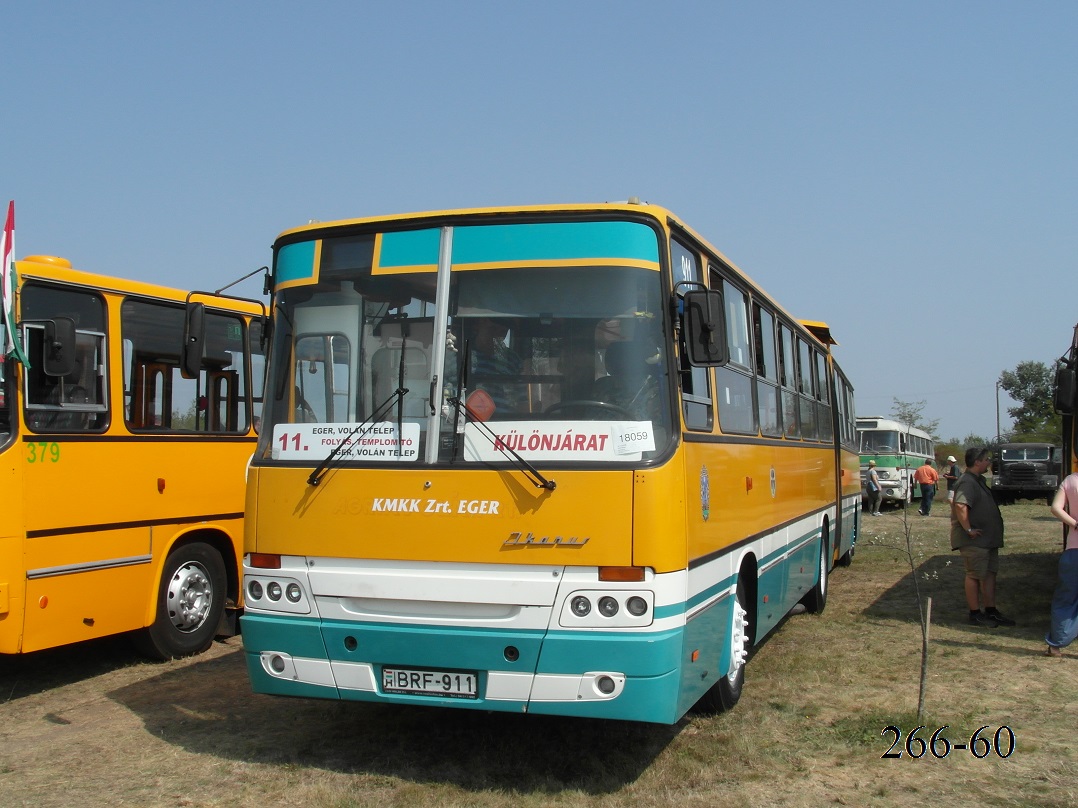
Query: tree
pixel 909 413
pixel 957 446
pixel 1035 419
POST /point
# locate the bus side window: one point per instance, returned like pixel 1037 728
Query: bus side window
pixel 696 403
pixel 151 396
pixel 823 397
pixel 766 371
pixel 74 401
pixel 788 376
pixel 223 405
pixel 806 390
pixel 734 381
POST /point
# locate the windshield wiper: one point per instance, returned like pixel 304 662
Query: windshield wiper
pixel 369 422
pixel 526 468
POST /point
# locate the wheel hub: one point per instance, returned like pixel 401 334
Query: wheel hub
pixel 190 594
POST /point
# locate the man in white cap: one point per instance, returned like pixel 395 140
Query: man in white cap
pixel 950 474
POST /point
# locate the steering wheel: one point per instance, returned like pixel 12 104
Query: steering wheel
pixel 305 414
pixel 584 407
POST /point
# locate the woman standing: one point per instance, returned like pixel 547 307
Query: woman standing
pixel 1064 627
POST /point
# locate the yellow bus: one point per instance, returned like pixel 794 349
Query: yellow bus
pixel 123 465
pixel 563 460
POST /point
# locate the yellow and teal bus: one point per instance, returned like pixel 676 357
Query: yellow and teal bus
pixel 123 445
pixel 562 460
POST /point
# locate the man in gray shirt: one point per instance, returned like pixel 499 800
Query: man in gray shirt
pixel 977 533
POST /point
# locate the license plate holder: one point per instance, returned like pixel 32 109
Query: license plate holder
pixel 429 682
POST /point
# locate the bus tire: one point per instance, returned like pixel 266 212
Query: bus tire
pixel 190 602
pixel 726 692
pixel 816 599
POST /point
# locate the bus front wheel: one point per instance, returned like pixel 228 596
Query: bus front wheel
pixel 190 602
pixel 726 692
pixel 816 598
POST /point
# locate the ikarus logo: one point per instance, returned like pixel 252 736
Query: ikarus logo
pixel 518 539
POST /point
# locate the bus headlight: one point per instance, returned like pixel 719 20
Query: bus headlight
pixel 273 591
pixel 608 607
pixel 293 592
pixel 254 590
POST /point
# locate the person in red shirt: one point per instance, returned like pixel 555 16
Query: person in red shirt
pixel 927 477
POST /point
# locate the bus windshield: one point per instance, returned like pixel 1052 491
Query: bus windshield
pixel 565 364
pixel 881 441
pixel 1012 455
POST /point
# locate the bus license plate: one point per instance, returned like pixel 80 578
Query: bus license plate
pixel 450 684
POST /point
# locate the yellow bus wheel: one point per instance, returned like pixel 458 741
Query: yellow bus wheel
pixel 190 603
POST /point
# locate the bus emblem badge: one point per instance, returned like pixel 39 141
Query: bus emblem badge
pixel 705 493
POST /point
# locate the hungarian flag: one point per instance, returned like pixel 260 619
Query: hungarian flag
pixel 7 288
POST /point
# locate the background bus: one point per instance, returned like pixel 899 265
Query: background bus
pixel 124 491
pixel 564 460
pixel 898 451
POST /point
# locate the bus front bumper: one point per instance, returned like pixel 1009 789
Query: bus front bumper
pixel 629 680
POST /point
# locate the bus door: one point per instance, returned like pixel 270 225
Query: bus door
pixel 80 538
pixel 12 581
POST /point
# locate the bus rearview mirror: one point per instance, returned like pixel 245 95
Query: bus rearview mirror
pixel 705 328
pixel 1064 392
pixel 59 347
pixel 194 339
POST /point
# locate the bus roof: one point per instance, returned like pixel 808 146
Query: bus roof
pixel 630 207
pixel 53 268
pixel 870 422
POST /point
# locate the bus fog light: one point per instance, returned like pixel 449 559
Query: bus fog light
pixel 636 606
pixel 581 606
pixel 254 590
pixel 273 590
pixel 605 685
pixel 293 592
pixel 276 663
pixel 608 607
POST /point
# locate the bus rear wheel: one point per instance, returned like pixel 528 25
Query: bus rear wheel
pixel 190 602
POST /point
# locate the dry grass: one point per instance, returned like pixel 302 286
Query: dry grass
pixel 93 725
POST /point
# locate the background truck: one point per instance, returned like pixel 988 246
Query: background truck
pixel 1025 471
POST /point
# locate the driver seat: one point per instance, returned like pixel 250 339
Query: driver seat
pixel 627 364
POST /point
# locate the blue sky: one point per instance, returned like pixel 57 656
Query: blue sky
pixel 905 171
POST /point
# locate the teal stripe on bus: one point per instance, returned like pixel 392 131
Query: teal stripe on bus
pixel 797 545
pixel 501 243
pixel 295 262
pixel 302 636
pixel 410 248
